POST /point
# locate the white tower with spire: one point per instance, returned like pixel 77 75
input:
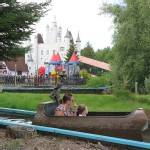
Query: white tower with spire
pixel 67 40
pixel 78 44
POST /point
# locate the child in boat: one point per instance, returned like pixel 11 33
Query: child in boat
pixel 64 109
pixel 82 110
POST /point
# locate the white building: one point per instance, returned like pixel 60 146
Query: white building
pixel 42 51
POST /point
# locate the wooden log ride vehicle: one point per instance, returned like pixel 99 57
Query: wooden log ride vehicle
pixel 128 125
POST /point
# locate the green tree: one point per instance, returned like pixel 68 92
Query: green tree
pixel 15 26
pixel 131 42
pixel 88 51
pixel 104 55
pixel 70 51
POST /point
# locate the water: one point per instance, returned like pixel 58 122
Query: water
pixel 17 118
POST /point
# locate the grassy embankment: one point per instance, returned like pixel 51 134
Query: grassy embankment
pixel 29 101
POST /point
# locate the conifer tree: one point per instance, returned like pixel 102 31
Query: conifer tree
pixel 88 51
pixel 16 25
pixel 70 51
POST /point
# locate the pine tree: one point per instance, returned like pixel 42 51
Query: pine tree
pixel 88 51
pixel 15 26
pixel 70 51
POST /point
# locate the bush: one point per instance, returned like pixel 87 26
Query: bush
pixel 147 84
pixel 84 73
pixel 143 99
pixel 123 94
pixel 99 81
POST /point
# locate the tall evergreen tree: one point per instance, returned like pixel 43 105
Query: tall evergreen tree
pixel 15 26
pixel 132 42
pixel 88 51
pixel 70 51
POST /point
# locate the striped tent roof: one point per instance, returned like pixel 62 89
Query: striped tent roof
pixel 95 63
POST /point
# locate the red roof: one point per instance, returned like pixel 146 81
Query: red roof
pixel 58 57
pixel 94 63
pixel 53 59
pixel 73 58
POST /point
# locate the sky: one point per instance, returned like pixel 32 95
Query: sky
pixel 80 16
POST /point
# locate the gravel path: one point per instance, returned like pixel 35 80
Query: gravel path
pixel 52 142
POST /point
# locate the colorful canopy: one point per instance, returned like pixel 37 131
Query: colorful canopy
pixel 55 59
pixel 73 59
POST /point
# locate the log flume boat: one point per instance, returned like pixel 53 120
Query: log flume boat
pixel 128 125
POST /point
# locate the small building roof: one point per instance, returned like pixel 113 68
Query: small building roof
pixel 53 59
pixel 95 63
pixel 20 65
pixel 73 58
pixel 58 57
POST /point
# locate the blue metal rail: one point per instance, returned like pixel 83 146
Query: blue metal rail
pixel 82 135
pixel 18 111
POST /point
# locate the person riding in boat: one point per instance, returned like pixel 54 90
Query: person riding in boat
pixel 64 109
pixel 82 110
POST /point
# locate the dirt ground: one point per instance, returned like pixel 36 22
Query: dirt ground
pixel 52 142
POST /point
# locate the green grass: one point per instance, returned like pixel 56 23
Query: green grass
pixel 29 101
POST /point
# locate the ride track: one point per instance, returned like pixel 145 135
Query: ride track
pixel 69 132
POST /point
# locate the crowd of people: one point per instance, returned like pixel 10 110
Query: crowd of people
pixel 64 109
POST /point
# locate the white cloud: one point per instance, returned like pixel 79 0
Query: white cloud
pixel 82 16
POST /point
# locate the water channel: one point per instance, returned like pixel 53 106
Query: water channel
pixel 17 118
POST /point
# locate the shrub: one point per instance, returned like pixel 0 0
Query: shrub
pixel 147 84
pixel 84 73
pixel 123 94
pixel 99 81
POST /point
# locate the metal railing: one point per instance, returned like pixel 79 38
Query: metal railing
pixel 38 81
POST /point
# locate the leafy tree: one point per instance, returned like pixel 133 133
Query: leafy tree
pixel 88 51
pixel 70 51
pixel 104 55
pixel 131 41
pixel 15 26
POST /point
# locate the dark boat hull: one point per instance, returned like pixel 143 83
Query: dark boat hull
pixel 128 125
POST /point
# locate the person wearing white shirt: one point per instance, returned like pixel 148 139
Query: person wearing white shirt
pixel 82 110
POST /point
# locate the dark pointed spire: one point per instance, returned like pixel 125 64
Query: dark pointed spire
pixel 67 34
pixel 78 38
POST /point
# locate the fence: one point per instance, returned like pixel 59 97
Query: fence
pixel 38 81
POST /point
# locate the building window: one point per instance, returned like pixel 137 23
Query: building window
pixel 41 52
pixel 61 48
pixel 47 52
